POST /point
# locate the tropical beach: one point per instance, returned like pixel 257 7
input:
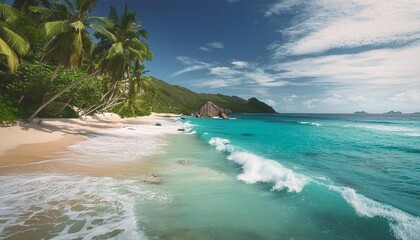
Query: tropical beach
pixel 228 119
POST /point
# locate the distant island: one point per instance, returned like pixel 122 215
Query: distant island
pixel 360 113
pixel 392 113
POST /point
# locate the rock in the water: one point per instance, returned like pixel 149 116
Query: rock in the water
pixel 152 179
pixel 183 162
pixel 210 110
pixel 158 124
pixel 181 130
pixel 224 115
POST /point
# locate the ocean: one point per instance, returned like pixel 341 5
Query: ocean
pixel 282 176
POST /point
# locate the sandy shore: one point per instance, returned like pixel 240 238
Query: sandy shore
pixel 27 144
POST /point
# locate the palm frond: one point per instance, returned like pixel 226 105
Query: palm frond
pixel 104 32
pixel 138 53
pixel 104 21
pixel 57 27
pixel 86 6
pixel 47 13
pixel 16 42
pixel 12 58
pixel 115 50
pixel 8 14
pixel 76 55
pixel 113 15
pixel 78 25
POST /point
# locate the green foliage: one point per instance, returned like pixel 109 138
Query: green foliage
pixel 159 96
pixel 32 85
pixel 12 45
pixel 7 111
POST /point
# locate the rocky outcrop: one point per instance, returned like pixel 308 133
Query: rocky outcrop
pixel 210 110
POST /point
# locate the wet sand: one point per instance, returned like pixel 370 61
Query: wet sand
pixel 29 148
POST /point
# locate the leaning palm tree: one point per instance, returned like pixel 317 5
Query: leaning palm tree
pixel 11 44
pixel 70 39
pixel 120 44
pixel 120 53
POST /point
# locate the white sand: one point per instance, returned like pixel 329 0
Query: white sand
pixel 34 142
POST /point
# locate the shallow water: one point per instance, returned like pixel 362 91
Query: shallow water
pixel 349 177
pixel 252 177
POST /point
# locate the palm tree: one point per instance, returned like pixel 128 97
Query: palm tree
pixel 70 39
pixel 11 43
pixel 120 53
pixel 120 44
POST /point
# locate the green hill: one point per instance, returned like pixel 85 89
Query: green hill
pixel 159 96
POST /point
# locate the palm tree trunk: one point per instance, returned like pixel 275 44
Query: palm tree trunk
pixel 55 73
pixel 61 93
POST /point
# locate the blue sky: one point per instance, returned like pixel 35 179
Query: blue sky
pixel 298 56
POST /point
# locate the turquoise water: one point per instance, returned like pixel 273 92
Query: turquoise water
pixel 290 177
pixel 250 177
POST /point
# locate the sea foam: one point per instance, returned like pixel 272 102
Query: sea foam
pixel 257 169
pixel 58 206
pixel 310 123
pixel 128 143
pixel 403 225
pixel 407 131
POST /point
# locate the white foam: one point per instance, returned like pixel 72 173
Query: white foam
pixel 222 145
pixel 187 126
pixel 414 132
pixel 257 169
pixel 403 225
pixel 310 123
pixel 99 205
pixel 129 143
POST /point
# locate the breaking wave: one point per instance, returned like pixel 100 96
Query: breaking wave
pixel 257 169
pixel 403 225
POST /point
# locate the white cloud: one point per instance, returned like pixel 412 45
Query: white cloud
pixel 224 72
pixel 407 96
pixel 329 24
pixel 262 78
pixel 240 64
pixel 219 45
pixel 204 49
pixel 222 76
pixel 217 83
pixel 270 102
pixel 290 99
pixel 192 65
pixel 212 45
pixel 373 69
pixel 309 104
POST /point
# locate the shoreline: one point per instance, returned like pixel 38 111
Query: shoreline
pixel 25 144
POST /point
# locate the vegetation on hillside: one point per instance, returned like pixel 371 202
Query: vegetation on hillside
pixel 57 60
pixel 159 96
